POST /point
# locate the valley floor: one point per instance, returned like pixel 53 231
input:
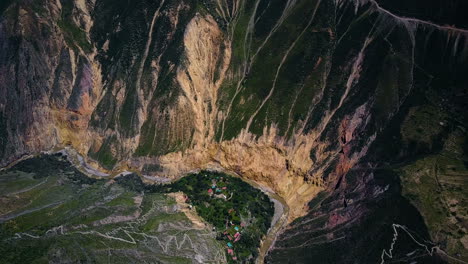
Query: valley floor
pixel 51 212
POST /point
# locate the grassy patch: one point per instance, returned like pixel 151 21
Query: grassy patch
pixel 153 223
pixel 92 222
pixel 74 36
pixel 104 154
pixel 437 186
pixel 126 199
pixel 423 124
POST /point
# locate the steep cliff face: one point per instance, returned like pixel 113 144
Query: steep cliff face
pixel 294 95
pixel 50 84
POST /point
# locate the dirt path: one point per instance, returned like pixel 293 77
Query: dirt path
pixel 279 219
pixel 191 214
pixel 28 211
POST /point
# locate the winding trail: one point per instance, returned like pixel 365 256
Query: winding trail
pixel 80 163
pixel 429 250
pixel 28 211
pixel 27 189
pixel 279 220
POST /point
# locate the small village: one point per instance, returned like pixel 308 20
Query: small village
pixel 239 213
pixel 232 232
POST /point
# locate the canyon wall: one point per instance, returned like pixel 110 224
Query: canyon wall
pixel 290 94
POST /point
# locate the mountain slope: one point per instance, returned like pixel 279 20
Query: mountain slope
pixel 304 97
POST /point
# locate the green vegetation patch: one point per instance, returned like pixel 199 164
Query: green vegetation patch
pixel 240 214
pixel 45 165
pixel 104 154
pixel 50 211
pixel 74 36
pixel 437 186
pixel 424 124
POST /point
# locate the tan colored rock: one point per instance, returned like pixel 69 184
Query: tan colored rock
pixel 207 58
pixel 464 241
pixel 275 166
pixel 191 214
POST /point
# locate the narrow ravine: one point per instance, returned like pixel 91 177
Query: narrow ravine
pixel 143 62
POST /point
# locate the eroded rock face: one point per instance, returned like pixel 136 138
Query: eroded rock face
pixel 268 162
pixel 292 94
pixel 26 80
pixel 208 54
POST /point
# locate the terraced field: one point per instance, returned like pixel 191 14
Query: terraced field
pixel 50 212
pixel 57 215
